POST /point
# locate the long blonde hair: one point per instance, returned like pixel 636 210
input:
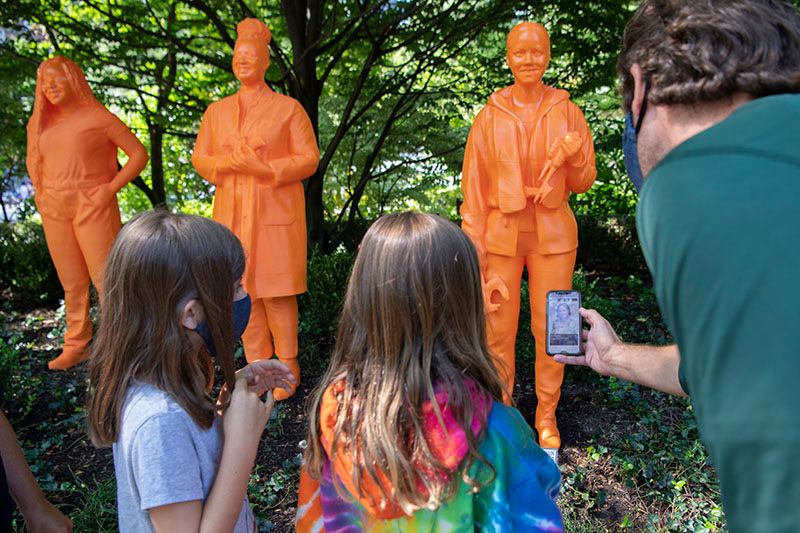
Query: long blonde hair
pixel 159 262
pixel 412 319
pixel 44 112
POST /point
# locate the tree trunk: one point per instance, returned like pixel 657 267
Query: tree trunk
pixel 304 24
pixel 157 164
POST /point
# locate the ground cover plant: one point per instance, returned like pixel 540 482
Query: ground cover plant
pixel 631 459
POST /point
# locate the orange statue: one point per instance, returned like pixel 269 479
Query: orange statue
pixel 72 162
pixel 527 151
pixel 256 146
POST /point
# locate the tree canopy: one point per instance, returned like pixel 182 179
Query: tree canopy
pixel 391 87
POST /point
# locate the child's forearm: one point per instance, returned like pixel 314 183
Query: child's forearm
pixel 224 502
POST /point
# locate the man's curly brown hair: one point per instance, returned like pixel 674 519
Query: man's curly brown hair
pixel 700 51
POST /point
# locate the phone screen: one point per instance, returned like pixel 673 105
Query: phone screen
pixel 563 322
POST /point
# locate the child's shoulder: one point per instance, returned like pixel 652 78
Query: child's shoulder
pixel 523 483
pixel 519 464
pixel 145 402
pixel 509 422
pixel 509 434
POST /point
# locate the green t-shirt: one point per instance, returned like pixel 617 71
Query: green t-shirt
pixel 719 224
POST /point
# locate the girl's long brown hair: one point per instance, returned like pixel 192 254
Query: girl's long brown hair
pixel 159 262
pixel 412 318
pixel 44 112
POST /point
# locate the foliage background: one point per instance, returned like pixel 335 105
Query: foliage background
pixel 391 86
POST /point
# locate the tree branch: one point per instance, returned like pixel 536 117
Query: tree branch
pixel 215 20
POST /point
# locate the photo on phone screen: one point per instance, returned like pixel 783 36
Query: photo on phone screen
pixel 563 322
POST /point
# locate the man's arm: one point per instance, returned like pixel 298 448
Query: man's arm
pixel 605 353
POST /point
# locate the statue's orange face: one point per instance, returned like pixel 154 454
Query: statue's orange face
pixel 528 53
pixel 56 85
pixel 250 61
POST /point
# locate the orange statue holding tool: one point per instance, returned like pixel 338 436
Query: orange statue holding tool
pixel 527 151
pixel 72 162
pixel 256 146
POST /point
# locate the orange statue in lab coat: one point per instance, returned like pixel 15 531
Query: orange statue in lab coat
pixel 527 151
pixel 256 146
pixel 72 162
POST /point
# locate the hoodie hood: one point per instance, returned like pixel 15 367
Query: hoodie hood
pixel 503 101
pixel 448 444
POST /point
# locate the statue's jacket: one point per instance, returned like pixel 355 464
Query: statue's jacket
pixel 503 157
pixel 267 215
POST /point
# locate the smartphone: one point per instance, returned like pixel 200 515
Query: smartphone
pixel 563 323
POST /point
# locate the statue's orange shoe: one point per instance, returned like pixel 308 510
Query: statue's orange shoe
pixel 549 437
pixel 294 366
pixel 68 359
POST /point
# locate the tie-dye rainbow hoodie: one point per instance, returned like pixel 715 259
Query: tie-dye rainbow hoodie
pixel 521 498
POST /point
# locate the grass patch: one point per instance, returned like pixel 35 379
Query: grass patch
pixel 97 508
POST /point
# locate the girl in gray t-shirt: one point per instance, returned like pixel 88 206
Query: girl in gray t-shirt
pixel 173 298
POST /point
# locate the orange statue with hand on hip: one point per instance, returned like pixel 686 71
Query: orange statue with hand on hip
pixel 256 146
pixel 528 150
pixel 72 162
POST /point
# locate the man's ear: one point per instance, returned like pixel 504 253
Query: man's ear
pixel 192 314
pixel 638 91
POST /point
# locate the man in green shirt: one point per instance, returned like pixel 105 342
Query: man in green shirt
pixel 710 85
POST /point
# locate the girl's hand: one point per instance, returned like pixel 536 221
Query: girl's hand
pixel 267 374
pixel 246 416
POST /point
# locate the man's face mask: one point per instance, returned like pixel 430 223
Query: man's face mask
pixel 630 148
pixel 241 316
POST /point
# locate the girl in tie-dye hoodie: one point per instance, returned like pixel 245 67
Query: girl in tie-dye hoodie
pixel 407 429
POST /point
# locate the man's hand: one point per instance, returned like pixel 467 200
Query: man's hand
pixel 651 366
pixel 489 288
pixel 597 344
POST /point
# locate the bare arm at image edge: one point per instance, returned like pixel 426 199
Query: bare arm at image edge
pixel 39 514
pixel 653 366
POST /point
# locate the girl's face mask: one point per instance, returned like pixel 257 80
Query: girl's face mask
pixel 241 316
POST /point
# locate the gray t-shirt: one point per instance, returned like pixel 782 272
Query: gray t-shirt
pixel 162 456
